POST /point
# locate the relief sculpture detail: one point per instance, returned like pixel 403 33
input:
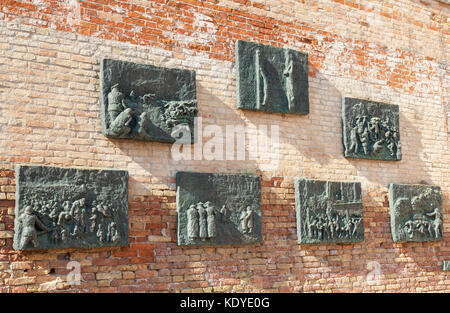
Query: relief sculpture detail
pixel 371 130
pixel 145 102
pixel 70 208
pixel 328 211
pixel 416 212
pixel 218 209
pixel 272 79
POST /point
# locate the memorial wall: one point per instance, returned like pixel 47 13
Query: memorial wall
pixel 224 146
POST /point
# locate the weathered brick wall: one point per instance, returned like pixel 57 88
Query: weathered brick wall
pixel 389 51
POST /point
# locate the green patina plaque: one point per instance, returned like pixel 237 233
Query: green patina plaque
pixel 416 212
pixel 218 209
pixel 271 79
pixel 59 208
pixel 371 130
pixel 146 102
pixel 328 212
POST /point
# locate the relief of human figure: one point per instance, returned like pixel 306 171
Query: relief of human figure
pixel 437 222
pixel 101 232
pixel 354 141
pixel 211 219
pixel 399 150
pixel 288 73
pixel 83 220
pixel 99 214
pixel 78 213
pixel 113 233
pixel 246 219
pixel 335 223
pixel 28 225
pixel 378 145
pixel 260 73
pixel 326 230
pixel 348 224
pixel 224 213
pixel 312 203
pixel 192 222
pixel 93 218
pixel 360 123
pixel 142 124
pixel 359 134
pixel 356 222
pixel 120 116
pixel 203 224
pixel 330 223
pixel 319 227
pixel 364 139
pixel 54 216
pixel 374 128
pixel 392 140
pixel 427 225
pixel 64 236
pixel 313 227
pixel 65 217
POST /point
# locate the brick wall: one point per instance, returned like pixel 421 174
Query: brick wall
pixel 389 51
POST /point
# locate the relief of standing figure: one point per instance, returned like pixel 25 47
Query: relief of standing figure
pixel 356 223
pixel 113 233
pixel 247 221
pixel 354 138
pixel 192 222
pixel 364 138
pixel 392 139
pixel 142 124
pixel 361 133
pixel 211 220
pixel 64 236
pixel 330 223
pixel 101 232
pixel 437 222
pixel 202 221
pixel 260 73
pixel 288 73
pixel 93 218
pixel 78 213
pixel 64 217
pixel 374 128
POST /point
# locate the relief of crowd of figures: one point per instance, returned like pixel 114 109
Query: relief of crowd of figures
pixel 62 208
pixel 371 130
pixel 328 211
pixel 330 225
pixel 66 222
